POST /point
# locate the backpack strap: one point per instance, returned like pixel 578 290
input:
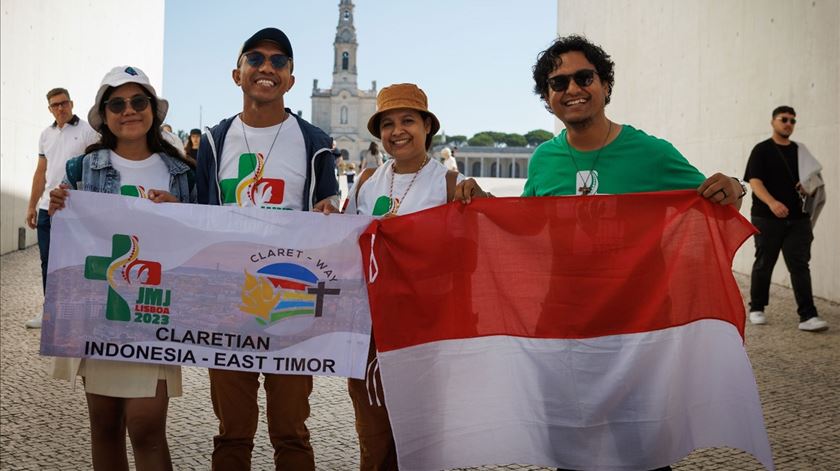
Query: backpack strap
pixel 366 173
pixel 74 171
pixel 451 182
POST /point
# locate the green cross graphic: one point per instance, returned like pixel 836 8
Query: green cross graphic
pixel 247 164
pixel 96 268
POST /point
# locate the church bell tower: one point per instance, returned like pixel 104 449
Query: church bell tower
pixel 343 110
pixel 344 68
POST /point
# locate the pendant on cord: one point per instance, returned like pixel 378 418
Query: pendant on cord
pixel 585 190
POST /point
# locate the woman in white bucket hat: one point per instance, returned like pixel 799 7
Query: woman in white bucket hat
pixel 131 159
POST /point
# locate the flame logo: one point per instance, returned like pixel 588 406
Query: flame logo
pixel 258 297
pixel 247 187
pixel 122 261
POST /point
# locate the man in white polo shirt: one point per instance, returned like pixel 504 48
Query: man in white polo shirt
pixel 66 137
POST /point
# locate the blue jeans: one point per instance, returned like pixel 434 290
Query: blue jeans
pixel 791 237
pixel 44 243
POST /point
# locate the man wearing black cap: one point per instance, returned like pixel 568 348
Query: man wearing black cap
pixel 264 156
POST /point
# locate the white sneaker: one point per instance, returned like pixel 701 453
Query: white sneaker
pixel 34 323
pixel 757 318
pixel 814 324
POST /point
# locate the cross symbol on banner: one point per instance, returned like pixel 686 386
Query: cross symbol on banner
pixel 96 268
pixel 319 293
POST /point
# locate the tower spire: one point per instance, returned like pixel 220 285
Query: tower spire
pixel 344 68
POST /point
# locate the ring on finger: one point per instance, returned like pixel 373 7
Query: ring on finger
pixel 724 193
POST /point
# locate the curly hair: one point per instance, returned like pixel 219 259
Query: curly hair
pixel 549 59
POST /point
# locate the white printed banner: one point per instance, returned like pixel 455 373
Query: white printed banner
pixel 219 287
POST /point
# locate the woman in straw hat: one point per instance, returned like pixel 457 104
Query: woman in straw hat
pixel 410 181
pixel 131 158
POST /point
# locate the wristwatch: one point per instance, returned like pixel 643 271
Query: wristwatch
pixel 743 187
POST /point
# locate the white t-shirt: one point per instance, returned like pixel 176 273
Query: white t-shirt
pixel 58 145
pixel 267 177
pixel 137 177
pixel 370 160
pixel 375 197
pixel 450 163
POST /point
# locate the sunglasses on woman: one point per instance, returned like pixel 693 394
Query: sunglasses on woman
pixel 256 59
pixel 583 78
pixel 138 103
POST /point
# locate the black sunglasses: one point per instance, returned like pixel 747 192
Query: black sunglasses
pixel 256 59
pixel 583 78
pixel 138 103
pixel 784 120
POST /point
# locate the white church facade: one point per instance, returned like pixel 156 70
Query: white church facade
pixel 343 110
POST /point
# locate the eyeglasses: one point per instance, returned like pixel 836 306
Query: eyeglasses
pixel 583 78
pixel 138 103
pixel 785 119
pixel 59 104
pixel 256 59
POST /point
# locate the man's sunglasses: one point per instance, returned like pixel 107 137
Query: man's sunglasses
pixel 256 59
pixel 138 104
pixel 583 78
pixel 785 119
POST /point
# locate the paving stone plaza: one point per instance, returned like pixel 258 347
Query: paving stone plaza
pixel 44 425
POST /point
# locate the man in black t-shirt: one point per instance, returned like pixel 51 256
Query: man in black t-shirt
pixel 777 211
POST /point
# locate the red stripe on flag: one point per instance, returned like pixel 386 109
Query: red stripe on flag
pixel 556 267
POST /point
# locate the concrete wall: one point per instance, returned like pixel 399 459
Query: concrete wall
pixel 51 43
pixel 706 75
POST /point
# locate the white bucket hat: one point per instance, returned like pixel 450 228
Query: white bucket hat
pixel 120 76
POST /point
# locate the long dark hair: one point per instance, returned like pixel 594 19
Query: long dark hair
pixel 154 139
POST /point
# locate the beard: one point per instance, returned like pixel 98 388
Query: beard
pixel 784 134
pixel 580 124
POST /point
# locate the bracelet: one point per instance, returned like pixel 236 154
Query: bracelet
pixel 743 187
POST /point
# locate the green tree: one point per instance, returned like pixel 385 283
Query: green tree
pixel 514 140
pixel 481 140
pixel 537 137
pixel 456 140
pixel 493 137
pixel 437 139
pixel 498 137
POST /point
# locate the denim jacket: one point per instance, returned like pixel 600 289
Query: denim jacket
pixel 94 172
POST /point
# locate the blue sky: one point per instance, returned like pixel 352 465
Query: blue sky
pixel 472 57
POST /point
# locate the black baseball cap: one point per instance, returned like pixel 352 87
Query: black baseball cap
pixel 195 131
pixel 267 34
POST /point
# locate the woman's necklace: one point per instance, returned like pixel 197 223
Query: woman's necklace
pixel 588 180
pixel 395 204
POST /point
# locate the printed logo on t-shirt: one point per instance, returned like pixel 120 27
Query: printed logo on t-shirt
pixel 133 190
pixel 385 205
pixel 250 188
pixel 586 179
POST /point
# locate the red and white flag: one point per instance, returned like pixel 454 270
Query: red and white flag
pixel 597 333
